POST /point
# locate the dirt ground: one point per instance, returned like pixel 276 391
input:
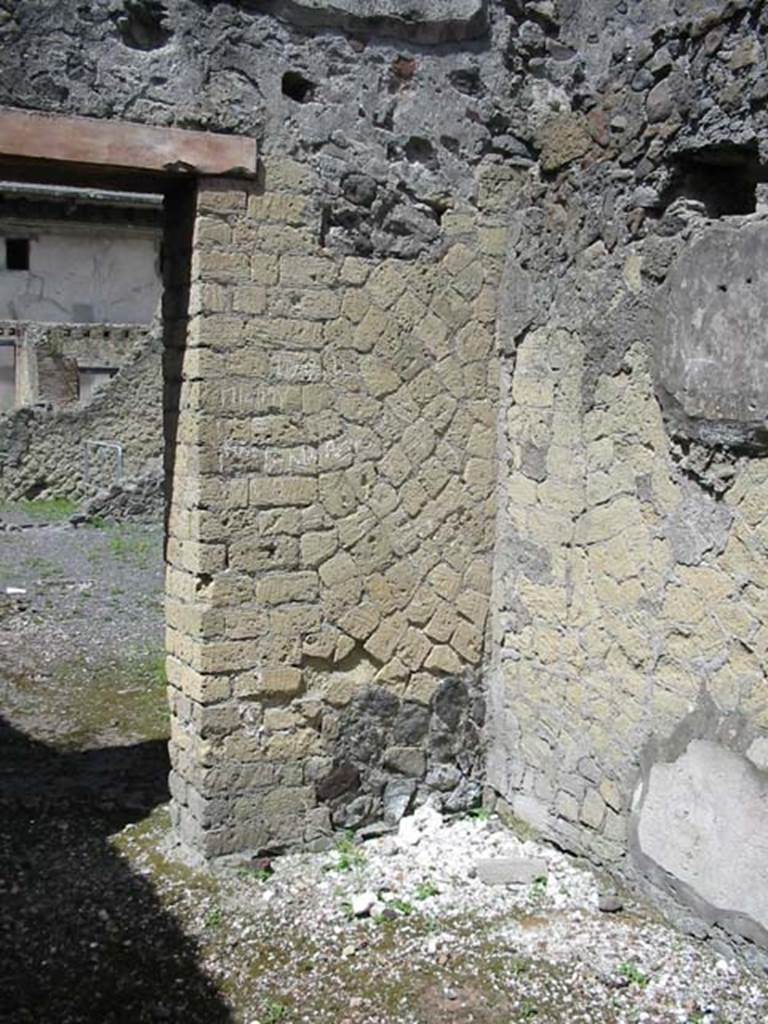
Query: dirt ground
pixel 102 921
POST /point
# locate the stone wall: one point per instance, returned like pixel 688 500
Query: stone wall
pixel 110 345
pixel 563 199
pixel 48 356
pixel 330 567
pixel 631 623
pixel 42 448
pixel 627 692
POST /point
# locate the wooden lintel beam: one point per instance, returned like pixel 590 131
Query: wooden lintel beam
pixel 122 146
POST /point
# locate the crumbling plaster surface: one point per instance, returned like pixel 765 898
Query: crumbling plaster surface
pixel 698 823
pixel 629 581
pixel 416 21
pixel 703 821
pixel 711 347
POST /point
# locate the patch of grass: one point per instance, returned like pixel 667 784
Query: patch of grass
pixel 425 890
pixel 86 701
pixel 539 887
pixel 349 855
pixel 402 906
pixel 214 918
pixel 633 974
pixel 273 1011
pixel 49 509
pixel 44 566
pixel 156 668
pixel 128 544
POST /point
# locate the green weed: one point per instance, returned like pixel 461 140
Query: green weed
pixel 633 974
pixel 214 918
pixel 273 1011
pixel 425 890
pixel 257 874
pixel 539 887
pixel 402 906
pixel 348 853
pixel 480 814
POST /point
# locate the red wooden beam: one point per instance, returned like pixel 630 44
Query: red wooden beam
pixel 122 145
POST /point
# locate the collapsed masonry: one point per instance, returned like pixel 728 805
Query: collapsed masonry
pixel 47 443
pixel 80 363
pixel 466 428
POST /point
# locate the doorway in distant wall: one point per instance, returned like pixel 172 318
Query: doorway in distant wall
pixel 83 300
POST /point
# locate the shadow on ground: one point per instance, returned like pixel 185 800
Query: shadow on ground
pixel 82 937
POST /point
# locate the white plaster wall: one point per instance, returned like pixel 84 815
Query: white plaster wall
pixel 82 277
pixel 704 819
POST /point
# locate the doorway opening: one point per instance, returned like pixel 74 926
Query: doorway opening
pixel 91 339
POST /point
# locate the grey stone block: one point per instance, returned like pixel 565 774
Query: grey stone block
pixel 418 21
pixel 406 760
pixel 716 290
pixel 510 870
pixel 609 903
pixel 397 799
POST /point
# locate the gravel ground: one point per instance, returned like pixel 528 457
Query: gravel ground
pixel 434 942
pixel 87 592
pixel 81 630
pixel 102 921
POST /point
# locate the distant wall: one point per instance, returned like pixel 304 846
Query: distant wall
pixel 53 363
pixel 82 275
pixel 42 448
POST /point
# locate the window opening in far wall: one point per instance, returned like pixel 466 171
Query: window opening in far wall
pixel 17 254
pixel 91 378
